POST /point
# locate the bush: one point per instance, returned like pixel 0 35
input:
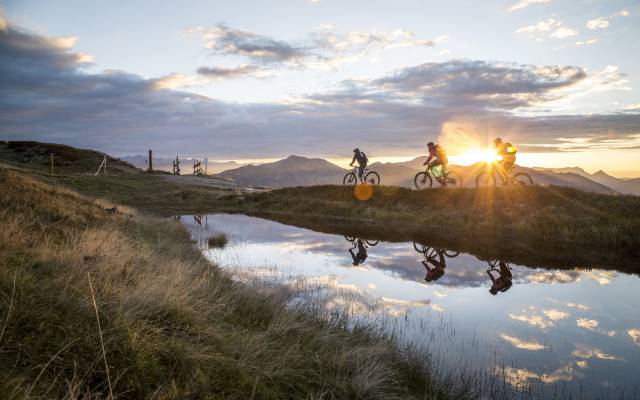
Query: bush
pixel 218 241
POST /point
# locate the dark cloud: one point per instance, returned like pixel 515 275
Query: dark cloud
pixel 222 39
pixel 226 73
pixel 46 94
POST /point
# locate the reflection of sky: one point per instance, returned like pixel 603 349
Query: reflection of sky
pixel 553 327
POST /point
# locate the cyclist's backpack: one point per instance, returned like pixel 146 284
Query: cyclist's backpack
pixel 440 152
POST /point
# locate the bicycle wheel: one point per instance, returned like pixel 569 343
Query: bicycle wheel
pixel 451 253
pixel 420 248
pixel 485 178
pixel 522 179
pixel 372 178
pixel 453 179
pixel 422 180
pixel 372 242
pixel 350 238
pixel 349 179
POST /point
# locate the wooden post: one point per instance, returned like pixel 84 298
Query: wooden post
pixel 150 161
pixel 51 162
pixel 105 165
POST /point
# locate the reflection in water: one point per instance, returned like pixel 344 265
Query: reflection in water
pixel 359 250
pixel 561 331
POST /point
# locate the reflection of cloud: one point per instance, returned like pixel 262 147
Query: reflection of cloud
pixel 554 277
pixel 534 320
pixel 579 306
pixel 437 307
pixel 372 286
pixel 593 353
pixel 518 377
pixel 635 335
pixel 590 324
pixel 521 344
pixel 582 364
pixel 555 315
pixel 602 277
pixel 399 307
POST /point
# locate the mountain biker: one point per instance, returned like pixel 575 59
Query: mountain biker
pixel 362 162
pixel 361 255
pixel 439 156
pixel 504 281
pixel 507 153
pixel 435 273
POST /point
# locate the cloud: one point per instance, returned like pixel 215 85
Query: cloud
pixel 555 315
pixel 526 3
pixel 48 94
pixel 518 377
pixel 227 73
pixel 3 21
pixel 604 22
pixel 590 324
pixel 323 48
pixel 588 353
pixel 521 344
pixel 550 28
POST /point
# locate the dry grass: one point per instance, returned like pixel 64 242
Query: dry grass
pixel 174 326
pixel 218 240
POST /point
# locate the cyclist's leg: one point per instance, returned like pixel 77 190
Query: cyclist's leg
pixel 437 163
pixel 361 171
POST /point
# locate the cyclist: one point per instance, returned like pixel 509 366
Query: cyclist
pixel 435 273
pixel 361 255
pixel 438 154
pixel 362 162
pixel 507 155
pixel 504 281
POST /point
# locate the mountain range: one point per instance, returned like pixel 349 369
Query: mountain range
pixel 303 171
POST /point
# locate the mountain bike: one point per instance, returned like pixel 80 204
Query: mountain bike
pixel 432 251
pixel 488 178
pixel 425 179
pixel 370 177
pixel 370 243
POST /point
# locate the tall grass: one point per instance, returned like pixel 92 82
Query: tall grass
pixel 172 324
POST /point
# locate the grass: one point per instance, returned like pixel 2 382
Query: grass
pixel 171 324
pixel 539 226
pixel 218 240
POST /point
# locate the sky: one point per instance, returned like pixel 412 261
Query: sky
pixel 251 81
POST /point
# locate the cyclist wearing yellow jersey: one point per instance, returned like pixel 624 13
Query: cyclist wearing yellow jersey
pixel 507 155
pixel 438 154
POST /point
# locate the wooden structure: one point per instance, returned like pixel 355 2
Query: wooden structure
pixel 176 166
pixel 103 164
pixel 150 161
pixel 197 168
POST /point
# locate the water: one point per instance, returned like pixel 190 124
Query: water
pixel 546 331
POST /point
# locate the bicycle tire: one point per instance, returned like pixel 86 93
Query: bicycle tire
pixel 453 179
pixel 485 178
pixel 420 248
pixel 372 177
pixel 525 181
pixel 451 254
pixel 350 238
pixel 372 242
pixel 349 179
pixel 422 180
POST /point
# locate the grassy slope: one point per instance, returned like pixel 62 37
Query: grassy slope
pixel 550 224
pixel 174 325
pixel 124 183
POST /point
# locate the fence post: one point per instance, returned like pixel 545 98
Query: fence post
pixel 51 162
pixel 150 161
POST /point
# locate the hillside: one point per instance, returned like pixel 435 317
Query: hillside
pixel 174 325
pixel 291 171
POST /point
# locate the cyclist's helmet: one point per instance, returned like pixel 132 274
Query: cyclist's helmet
pixel 430 144
pixel 497 141
pixel 356 150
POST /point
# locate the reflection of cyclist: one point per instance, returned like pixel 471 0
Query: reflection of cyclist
pixel 507 155
pixel 362 161
pixel 434 273
pixel 504 281
pixel 438 154
pixel 361 255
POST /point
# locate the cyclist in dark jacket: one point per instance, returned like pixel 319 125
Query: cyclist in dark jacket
pixel 504 281
pixel 362 160
pixel 507 155
pixel 361 255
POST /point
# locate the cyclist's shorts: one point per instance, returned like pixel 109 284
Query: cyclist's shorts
pixel 361 170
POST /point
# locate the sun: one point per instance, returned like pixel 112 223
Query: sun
pixel 476 155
